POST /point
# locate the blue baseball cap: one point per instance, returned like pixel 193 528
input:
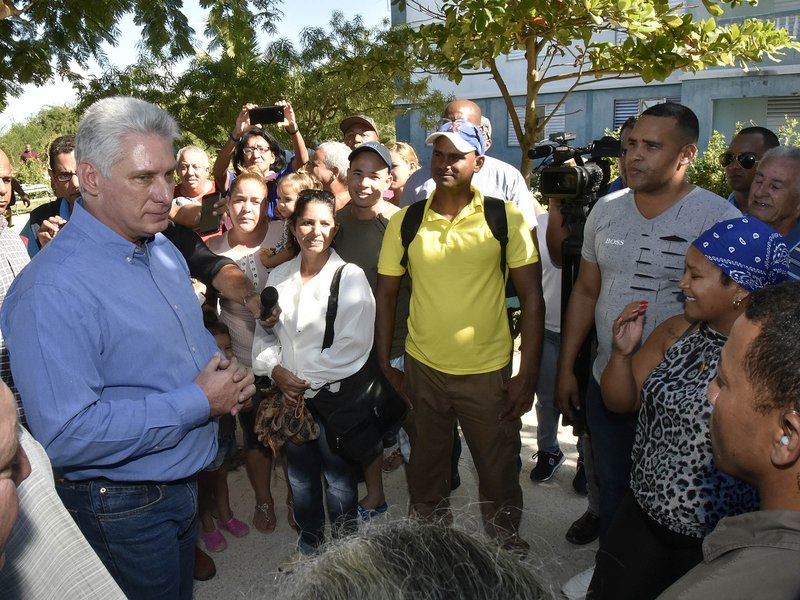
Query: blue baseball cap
pixel 465 136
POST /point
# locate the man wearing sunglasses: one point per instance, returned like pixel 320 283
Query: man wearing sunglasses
pixel 741 159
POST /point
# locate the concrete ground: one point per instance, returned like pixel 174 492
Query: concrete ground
pixel 247 568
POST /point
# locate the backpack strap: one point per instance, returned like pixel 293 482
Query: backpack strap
pixel 333 307
pixel 495 212
pixel 409 227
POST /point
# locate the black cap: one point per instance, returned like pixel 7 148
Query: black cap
pixel 375 147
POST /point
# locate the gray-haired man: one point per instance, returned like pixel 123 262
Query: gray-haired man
pixel 131 422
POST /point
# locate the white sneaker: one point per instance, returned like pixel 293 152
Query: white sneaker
pixel 576 588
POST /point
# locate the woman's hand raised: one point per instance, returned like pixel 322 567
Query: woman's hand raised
pixel 628 327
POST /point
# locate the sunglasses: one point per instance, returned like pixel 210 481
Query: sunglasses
pixel 746 160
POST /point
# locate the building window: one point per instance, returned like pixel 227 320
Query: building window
pixel 778 109
pixel 556 124
pixel 623 109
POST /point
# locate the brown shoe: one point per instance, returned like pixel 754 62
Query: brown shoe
pixel 204 567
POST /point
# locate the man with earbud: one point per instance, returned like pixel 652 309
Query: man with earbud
pixel 755 434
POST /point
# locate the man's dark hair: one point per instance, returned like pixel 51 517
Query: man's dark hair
pixel 687 120
pixel 772 360
pixel 61 145
pixel 770 139
pixel 628 124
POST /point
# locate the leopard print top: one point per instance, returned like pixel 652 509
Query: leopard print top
pixel 673 476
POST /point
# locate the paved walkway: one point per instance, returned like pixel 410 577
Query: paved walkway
pixel 248 567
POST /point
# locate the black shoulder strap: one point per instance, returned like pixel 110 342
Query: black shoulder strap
pixel 409 227
pixel 495 212
pixel 333 307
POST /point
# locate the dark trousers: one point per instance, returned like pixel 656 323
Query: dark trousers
pixel 640 558
pixel 143 532
pixel 612 441
pixel 308 463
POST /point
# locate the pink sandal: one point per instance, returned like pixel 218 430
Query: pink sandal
pixel 235 527
pixel 214 540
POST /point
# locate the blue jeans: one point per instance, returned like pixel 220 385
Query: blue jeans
pixel 547 412
pixel 612 441
pixel 307 463
pixel 144 533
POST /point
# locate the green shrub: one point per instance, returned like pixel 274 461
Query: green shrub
pixel 706 171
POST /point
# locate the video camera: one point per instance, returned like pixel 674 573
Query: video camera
pixel 585 181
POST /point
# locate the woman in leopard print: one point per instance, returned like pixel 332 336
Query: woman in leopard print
pixel 677 496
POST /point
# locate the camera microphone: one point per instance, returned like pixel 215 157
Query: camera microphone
pixel 269 299
pixel 541 151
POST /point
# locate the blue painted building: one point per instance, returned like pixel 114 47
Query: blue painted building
pixel 720 96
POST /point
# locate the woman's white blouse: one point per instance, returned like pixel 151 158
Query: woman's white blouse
pixel 296 340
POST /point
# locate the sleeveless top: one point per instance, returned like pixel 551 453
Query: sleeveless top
pixel 673 476
pixel 236 316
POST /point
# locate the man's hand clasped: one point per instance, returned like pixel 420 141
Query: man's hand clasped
pixel 228 385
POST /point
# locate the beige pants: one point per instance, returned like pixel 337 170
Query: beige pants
pixel 475 401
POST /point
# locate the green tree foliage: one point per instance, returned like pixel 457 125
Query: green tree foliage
pixel 577 42
pixel 706 171
pixel 39 40
pixel 38 131
pixel 326 79
pixel 789 132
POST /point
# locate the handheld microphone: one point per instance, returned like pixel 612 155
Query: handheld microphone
pixel 269 299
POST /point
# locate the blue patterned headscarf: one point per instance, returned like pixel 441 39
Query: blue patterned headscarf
pixel 750 252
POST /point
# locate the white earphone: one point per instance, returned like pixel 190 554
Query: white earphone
pixel 785 440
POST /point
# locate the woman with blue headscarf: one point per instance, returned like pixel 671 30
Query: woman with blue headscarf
pixel 677 496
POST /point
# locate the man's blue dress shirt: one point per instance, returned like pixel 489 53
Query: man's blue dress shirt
pixel 106 338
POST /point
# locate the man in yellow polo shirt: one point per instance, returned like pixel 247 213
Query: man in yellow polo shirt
pixel 458 350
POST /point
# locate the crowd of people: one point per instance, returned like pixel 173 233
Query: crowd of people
pixel 135 337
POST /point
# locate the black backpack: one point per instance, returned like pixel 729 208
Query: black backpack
pixel 495 213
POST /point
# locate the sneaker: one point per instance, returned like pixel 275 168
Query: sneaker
pixel 547 464
pixel 367 514
pixel 576 588
pixel 579 481
pixel 585 530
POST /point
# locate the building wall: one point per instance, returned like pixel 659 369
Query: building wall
pixel 720 97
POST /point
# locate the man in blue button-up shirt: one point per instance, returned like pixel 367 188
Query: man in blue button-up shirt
pixel 119 379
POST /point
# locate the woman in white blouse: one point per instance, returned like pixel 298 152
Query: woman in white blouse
pixel 291 355
pixel 249 233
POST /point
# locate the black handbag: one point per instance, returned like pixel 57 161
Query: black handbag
pixel 366 406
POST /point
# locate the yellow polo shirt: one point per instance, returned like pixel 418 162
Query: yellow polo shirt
pixel 457 322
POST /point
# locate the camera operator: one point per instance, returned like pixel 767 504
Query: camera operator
pixel 634 246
